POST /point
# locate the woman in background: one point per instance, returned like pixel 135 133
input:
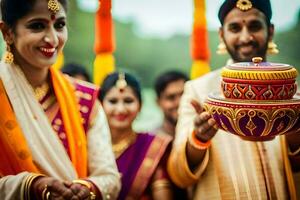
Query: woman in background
pixel 141 157
pixel 54 137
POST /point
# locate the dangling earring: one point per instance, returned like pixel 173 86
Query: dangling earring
pixel 272 48
pixel 222 50
pixel 8 56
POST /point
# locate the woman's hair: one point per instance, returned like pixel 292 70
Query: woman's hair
pixel 110 81
pixel 13 10
pixel 74 69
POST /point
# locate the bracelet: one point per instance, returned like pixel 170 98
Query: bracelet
pixel 27 185
pixel 294 153
pixel 196 143
pixel 88 185
pixel 160 184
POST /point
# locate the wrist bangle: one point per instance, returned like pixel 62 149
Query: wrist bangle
pixel 196 143
pixel 88 185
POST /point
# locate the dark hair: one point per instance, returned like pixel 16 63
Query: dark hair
pixel 110 81
pixel 166 78
pixel 13 10
pixel 74 69
pixel 262 5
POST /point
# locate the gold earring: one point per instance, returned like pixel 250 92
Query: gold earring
pixel 8 56
pixel 272 48
pixel 221 50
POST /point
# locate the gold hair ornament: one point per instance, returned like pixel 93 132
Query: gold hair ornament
pixel 121 82
pixel 244 5
pixel 53 6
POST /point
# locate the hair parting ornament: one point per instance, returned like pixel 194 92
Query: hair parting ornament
pixel 53 6
pixel 121 82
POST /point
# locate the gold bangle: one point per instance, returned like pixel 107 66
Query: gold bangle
pixel 88 185
pixel 160 184
pixel 27 185
pixel 83 182
pixel 295 152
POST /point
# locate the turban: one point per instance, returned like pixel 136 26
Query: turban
pixel 262 5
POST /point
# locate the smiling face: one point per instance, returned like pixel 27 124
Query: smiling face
pixel 246 34
pixel 169 100
pixel 38 37
pixel 121 108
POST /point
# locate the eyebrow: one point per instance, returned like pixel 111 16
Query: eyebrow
pixel 45 20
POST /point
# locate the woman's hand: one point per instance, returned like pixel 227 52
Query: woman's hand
pixel 59 190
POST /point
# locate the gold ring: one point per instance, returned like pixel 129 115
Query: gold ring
pixel 48 195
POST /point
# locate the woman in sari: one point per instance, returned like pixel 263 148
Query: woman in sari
pixel 54 138
pixel 141 157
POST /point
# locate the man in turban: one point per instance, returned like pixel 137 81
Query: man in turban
pixel 222 165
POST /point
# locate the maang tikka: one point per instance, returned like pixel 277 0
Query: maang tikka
pixel 121 82
pixel 53 6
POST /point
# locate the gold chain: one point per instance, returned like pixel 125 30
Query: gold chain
pixel 41 91
pixel 121 146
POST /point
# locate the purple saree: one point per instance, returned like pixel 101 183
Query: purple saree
pixel 138 163
pixel 86 94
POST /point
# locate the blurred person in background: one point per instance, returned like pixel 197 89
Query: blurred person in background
pixel 77 71
pixel 141 157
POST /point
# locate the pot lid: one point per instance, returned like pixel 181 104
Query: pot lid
pixel 258 70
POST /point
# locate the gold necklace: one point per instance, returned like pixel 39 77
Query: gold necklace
pixel 41 91
pixel 121 146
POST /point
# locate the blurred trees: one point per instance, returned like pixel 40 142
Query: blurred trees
pixel 147 57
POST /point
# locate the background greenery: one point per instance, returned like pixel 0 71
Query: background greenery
pixel 147 57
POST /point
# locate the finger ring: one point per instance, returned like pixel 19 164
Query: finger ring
pixel 48 195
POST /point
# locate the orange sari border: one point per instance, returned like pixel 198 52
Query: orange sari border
pixel 65 94
pixel 15 155
pixel 148 166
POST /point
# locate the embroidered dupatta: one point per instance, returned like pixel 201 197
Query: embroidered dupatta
pixel 28 142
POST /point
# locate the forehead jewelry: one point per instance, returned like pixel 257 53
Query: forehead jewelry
pixel 121 82
pixel 244 5
pixel 53 6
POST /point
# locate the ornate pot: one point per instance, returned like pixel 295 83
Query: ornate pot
pixel 259 81
pixel 255 120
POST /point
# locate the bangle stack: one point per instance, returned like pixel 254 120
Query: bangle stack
pixel 196 143
pixel 88 185
pixel 26 186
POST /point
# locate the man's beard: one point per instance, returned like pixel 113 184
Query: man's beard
pixel 257 52
pixel 171 120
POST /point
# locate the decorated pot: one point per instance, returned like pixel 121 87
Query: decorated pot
pixel 259 80
pixel 255 120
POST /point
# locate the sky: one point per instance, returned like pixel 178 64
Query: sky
pixel 167 17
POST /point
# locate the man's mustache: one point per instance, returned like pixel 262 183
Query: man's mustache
pixel 251 43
